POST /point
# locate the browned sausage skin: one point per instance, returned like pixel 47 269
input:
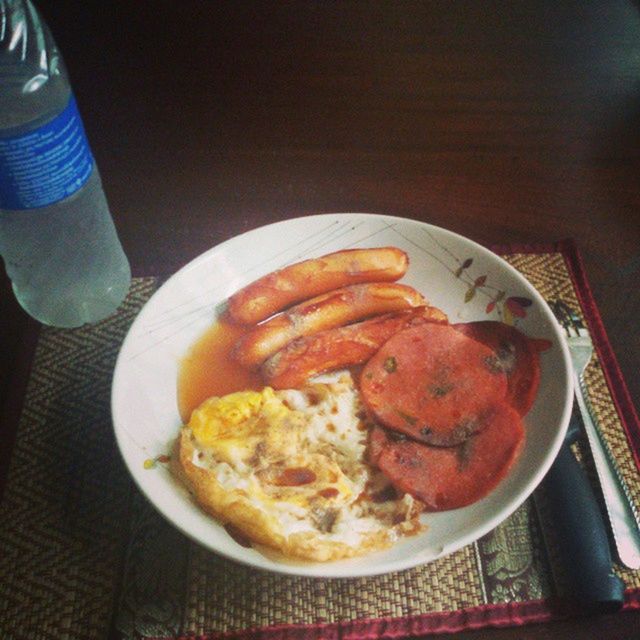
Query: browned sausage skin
pixel 332 309
pixel 340 347
pixel 281 289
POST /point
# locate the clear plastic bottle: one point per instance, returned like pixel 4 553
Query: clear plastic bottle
pixel 57 237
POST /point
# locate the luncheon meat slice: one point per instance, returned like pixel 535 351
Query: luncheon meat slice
pixel 379 438
pixel 432 383
pixel 452 477
pixel 515 354
pixel 377 442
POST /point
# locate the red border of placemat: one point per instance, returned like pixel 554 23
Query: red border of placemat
pixel 496 615
pixel 482 617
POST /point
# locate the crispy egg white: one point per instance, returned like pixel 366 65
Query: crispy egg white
pixel 288 469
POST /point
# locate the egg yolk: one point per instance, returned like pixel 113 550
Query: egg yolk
pixel 236 415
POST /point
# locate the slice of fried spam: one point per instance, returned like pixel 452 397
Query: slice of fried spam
pixel 376 444
pixel 432 383
pixel 515 354
pixel 451 477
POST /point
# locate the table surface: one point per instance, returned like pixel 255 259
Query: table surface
pixel 505 122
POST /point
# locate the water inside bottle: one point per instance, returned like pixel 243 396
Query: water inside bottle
pixel 66 263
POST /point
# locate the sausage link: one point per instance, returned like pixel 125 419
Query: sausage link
pixel 281 289
pixel 340 347
pixel 333 309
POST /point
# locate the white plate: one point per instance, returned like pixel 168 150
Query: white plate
pixel 444 266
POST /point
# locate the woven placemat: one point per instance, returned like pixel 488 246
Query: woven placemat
pixel 84 556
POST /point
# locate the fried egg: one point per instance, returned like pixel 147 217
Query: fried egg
pixel 288 469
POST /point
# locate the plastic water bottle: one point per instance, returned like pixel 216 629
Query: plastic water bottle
pixel 57 237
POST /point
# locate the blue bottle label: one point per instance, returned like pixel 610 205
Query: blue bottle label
pixel 45 165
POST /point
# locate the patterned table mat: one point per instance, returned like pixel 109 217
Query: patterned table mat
pixel 83 555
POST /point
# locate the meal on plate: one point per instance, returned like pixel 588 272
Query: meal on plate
pixel 334 405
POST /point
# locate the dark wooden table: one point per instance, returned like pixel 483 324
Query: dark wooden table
pixel 508 122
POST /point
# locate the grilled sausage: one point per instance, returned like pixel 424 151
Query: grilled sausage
pixel 302 280
pixel 332 309
pixel 339 348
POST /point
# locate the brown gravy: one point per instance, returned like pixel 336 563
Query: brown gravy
pixel 209 369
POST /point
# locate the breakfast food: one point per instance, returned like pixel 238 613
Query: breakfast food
pixel 515 354
pixel 288 469
pixel 332 309
pixel 340 347
pixel 432 383
pixel 453 477
pixel 280 289
pixel 463 416
pixel 362 407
